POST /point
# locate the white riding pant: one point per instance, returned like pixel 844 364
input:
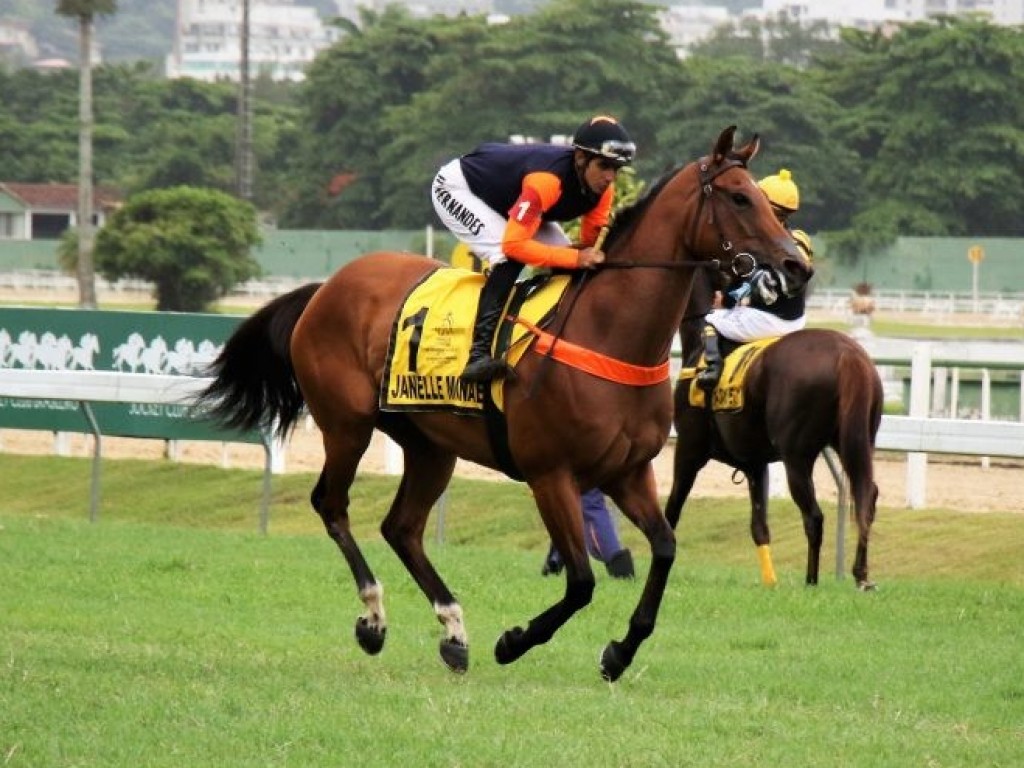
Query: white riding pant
pixel 473 221
pixel 749 324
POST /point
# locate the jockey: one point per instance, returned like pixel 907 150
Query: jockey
pixel 757 309
pixel 506 202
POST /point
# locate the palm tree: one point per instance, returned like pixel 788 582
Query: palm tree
pixel 85 11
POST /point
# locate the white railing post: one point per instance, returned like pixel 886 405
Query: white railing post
pixel 394 463
pixel 917 463
pixel 778 485
pixel 986 407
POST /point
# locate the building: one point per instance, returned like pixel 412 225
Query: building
pixel 871 13
pixel 46 211
pixel 17 45
pixel 349 9
pixel 283 39
pixel 686 25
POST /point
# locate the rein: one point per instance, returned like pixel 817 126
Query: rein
pixel 712 264
pixel 552 347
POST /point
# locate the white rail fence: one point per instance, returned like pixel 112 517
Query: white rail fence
pixel 87 387
pixel 918 434
pixel 1006 307
pixel 930 427
pixel 998 306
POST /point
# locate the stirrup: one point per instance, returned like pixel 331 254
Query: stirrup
pixel 485 369
pixel 708 378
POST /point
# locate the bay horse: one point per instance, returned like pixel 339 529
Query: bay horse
pixel 811 389
pixel 325 346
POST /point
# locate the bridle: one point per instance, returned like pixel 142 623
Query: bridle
pixel 741 264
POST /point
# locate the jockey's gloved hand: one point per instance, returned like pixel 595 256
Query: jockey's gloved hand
pixel 740 292
pixel 766 285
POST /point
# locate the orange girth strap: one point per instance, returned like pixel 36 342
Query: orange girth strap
pixel 595 363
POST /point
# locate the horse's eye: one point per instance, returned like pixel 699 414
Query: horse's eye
pixel 740 199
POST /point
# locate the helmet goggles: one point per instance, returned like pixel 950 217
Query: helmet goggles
pixel 621 153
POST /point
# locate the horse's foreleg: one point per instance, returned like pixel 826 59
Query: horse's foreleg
pixel 637 497
pixel 757 487
pixel 558 500
pixel 799 475
pixel 428 470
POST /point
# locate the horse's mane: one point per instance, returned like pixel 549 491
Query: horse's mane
pixel 625 219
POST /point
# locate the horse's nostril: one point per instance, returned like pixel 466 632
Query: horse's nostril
pixel 798 268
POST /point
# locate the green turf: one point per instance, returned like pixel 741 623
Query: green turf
pixel 172 633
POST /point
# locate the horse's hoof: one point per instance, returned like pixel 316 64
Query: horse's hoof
pixel 370 639
pixel 455 655
pixel 612 662
pixel 509 646
pixel 865 585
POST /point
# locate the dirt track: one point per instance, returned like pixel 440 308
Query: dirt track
pixel 961 485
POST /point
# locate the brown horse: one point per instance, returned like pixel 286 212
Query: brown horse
pixel 811 389
pixel 567 429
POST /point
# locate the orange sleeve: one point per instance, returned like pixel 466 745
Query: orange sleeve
pixel 597 218
pixel 540 192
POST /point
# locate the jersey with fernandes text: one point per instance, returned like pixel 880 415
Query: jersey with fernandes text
pixel 495 173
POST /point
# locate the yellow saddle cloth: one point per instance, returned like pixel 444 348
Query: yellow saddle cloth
pixel 431 336
pixel 728 394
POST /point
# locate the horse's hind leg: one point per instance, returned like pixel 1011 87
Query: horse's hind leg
pixel 799 474
pixel 865 499
pixel 428 470
pixel 330 499
pixel 757 487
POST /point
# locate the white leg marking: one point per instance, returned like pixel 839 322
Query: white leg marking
pixel 373 599
pixel 451 617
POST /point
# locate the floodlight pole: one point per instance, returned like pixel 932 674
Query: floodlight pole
pixel 243 160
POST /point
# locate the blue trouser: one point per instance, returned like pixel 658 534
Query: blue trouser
pixel 598 529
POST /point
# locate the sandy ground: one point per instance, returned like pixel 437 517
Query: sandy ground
pixel 964 484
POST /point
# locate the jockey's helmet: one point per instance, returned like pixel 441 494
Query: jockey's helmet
pixel 604 137
pixel 781 190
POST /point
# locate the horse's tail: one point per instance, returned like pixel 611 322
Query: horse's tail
pixel 860 414
pixel 254 384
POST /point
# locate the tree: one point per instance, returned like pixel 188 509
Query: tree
pixel 935 112
pixel 794 120
pixel 193 244
pixel 85 11
pixel 337 168
pixel 418 92
pixel 777 39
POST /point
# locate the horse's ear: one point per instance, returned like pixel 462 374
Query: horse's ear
pixel 748 150
pixel 724 144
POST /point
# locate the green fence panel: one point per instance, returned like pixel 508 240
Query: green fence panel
pixel 138 342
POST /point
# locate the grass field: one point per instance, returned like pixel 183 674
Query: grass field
pixel 172 633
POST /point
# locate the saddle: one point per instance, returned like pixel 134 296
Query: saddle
pixel 728 393
pixel 429 346
pixel 432 332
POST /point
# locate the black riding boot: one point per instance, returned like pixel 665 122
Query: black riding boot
pixel 620 565
pixel 708 378
pixel 497 287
